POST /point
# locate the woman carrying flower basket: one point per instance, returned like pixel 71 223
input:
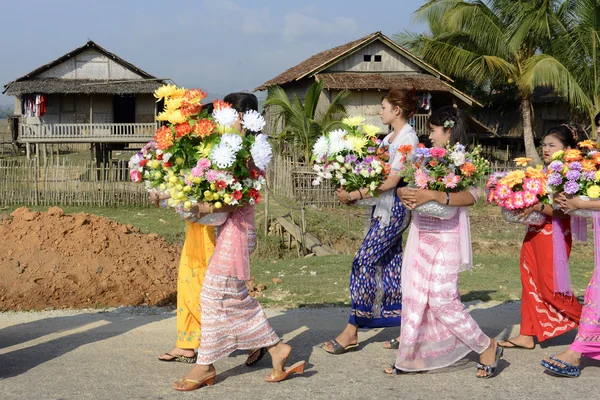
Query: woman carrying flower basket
pixel 548 307
pixel 375 288
pixel 231 318
pixel 436 328
pixel 587 341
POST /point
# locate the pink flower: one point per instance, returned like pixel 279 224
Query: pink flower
pixel 530 198
pixel 533 185
pixel 518 200
pixel 197 172
pixel 438 152
pixel 135 176
pixel 187 181
pixel 203 164
pixel 211 175
pixel 422 179
pixel 451 180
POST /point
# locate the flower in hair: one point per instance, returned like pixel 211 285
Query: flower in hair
pixel 449 124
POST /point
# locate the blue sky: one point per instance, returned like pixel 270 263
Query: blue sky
pixel 219 46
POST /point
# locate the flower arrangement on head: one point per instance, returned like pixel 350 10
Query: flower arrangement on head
pixel 518 189
pixel 201 157
pixel 576 171
pixel 351 157
pixel 450 169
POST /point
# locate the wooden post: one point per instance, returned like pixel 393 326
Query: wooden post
pixel 303 226
pixel 267 211
pixel 28 149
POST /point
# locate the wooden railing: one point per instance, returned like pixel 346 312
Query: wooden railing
pixel 86 133
pixel 419 122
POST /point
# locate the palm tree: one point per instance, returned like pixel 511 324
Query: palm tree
pixel 497 42
pixel 303 123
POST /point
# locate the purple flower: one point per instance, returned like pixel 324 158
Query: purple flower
pixel 575 165
pixel 350 158
pixel 459 147
pixel 555 166
pixel 422 152
pixel 573 175
pixel 370 150
pixel 589 175
pixel 368 160
pixel 571 187
pixel 555 179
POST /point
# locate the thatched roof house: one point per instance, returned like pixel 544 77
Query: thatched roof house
pixel 367 67
pixel 88 95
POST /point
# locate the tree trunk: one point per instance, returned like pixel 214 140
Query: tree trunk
pixel 528 138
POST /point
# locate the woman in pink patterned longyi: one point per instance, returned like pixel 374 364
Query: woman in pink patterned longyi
pixel 436 328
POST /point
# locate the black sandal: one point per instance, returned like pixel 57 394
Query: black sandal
pixel 181 359
pixel 262 351
pixel 338 348
pixel 394 345
pixel 490 370
pixel 395 371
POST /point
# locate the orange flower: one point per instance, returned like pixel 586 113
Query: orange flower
pixel 182 130
pixel 522 161
pixel 191 110
pixel 587 144
pixel 405 148
pixel 193 96
pixel 468 169
pixel 433 163
pixel 572 155
pixel 513 178
pixel 534 173
pixel 163 138
pixel 220 104
pixel 204 127
pixel 588 165
pixel 596 158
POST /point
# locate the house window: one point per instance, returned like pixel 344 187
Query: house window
pixel 367 58
pixel 378 58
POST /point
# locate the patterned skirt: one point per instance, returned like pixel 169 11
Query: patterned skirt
pixel 436 329
pixel 231 319
pixel 375 288
pixel 587 340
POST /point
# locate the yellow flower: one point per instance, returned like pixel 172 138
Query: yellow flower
pixel 212 186
pixel 173 180
pixel 203 150
pixel 154 164
pixel 187 189
pixel 587 144
pixel 215 196
pixel 593 191
pixel 370 130
pixel 157 175
pixel 522 161
pixel 163 116
pixel 558 155
pixel 179 161
pixel 173 104
pixel 513 178
pixel 164 91
pixel 358 143
pixel 227 199
pixel 187 204
pixel 534 173
pixel 597 176
pixel 207 195
pixel 218 205
pixel 163 187
pixel 196 179
pixel 178 92
pixel 354 121
pixel 176 117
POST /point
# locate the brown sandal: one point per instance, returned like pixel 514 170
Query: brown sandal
pixel 278 376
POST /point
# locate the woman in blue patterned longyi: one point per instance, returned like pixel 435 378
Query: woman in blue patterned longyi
pixel 375 288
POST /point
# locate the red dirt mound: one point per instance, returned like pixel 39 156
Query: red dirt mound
pixel 80 260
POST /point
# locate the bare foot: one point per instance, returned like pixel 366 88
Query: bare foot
pixel 279 354
pixel 199 373
pixel 348 336
pixel 488 357
pixel 568 356
pixel 523 341
pixel 177 351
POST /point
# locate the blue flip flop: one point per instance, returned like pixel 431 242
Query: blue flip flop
pixel 570 371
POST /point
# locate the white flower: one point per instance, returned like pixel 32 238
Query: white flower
pixel 232 140
pixel 222 155
pixel 364 173
pixel 343 170
pixel 253 121
pixel 225 116
pixel 257 185
pixel 373 186
pixel 134 161
pixel 233 202
pixel 337 134
pixel 237 186
pixel 248 182
pixel 261 152
pixel 316 182
pixel 340 159
pixel 251 202
pixel 342 182
pixel 327 175
pixel 167 157
pixel 317 167
pixel 321 147
pixel 458 158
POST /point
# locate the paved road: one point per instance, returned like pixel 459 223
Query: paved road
pixel 112 355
